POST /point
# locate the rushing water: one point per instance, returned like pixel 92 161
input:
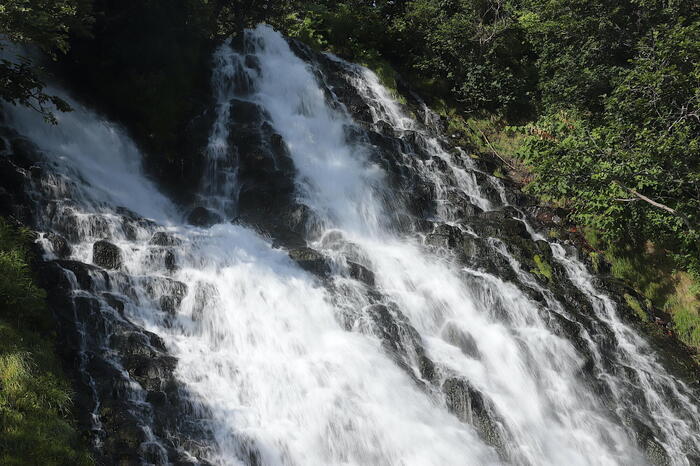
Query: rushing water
pixel 287 369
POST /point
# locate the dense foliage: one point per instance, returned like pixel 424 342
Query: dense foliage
pixel 35 397
pixel 632 169
pixel 46 25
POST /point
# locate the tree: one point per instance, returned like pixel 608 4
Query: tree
pixel 46 25
pixel 633 171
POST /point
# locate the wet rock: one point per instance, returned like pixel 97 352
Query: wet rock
pixel 361 273
pixel 656 454
pixel 206 296
pixel 384 128
pixel 170 261
pixel 162 238
pixel 462 206
pixel 445 236
pixel 396 333
pixel 427 368
pixel 106 255
pixel 471 246
pixel 452 334
pixel 158 287
pixel 498 224
pixel 114 301
pixel 59 244
pixel 85 274
pixel 203 217
pixel 469 405
pixel 170 303
pixel 150 371
pixel 310 260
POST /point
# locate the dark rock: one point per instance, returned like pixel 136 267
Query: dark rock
pixel 203 217
pixel 115 301
pixel 162 238
pixel 85 274
pixel 150 371
pixel 384 128
pixel 498 224
pixel 469 405
pixel 170 261
pixel 59 244
pixel 396 333
pixel 462 205
pixel 106 255
pixel 157 287
pixel 427 368
pixel 445 236
pixel 361 273
pixel 310 260
pixel 170 303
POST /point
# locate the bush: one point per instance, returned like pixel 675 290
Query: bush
pixel 35 396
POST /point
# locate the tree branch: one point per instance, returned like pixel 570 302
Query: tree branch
pixel 646 199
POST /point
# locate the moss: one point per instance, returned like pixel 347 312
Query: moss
pixel 544 269
pixel 633 303
pixel 35 399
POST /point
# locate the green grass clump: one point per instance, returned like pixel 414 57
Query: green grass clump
pixel 35 396
pixel 688 325
pixel 543 268
pixel 636 307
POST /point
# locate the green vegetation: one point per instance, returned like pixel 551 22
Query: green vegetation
pixel 45 24
pixel 655 275
pixel 35 397
pixel 544 269
pixel 636 307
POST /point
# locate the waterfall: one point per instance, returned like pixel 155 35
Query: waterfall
pixel 391 348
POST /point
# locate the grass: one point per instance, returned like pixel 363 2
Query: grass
pixel 654 274
pixel 636 307
pixel 35 397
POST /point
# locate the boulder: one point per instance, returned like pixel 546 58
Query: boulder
pixel 203 217
pixel 310 260
pixel 163 238
pixel 59 244
pixel 85 274
pixel 106 255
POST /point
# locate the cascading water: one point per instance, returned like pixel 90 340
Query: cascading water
pixel 373 342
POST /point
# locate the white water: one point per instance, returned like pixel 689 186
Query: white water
pixel 260 342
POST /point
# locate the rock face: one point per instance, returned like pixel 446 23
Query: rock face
pixel 106 255
pixel 203 217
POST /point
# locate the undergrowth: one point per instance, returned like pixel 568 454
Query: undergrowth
pixel 35 397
